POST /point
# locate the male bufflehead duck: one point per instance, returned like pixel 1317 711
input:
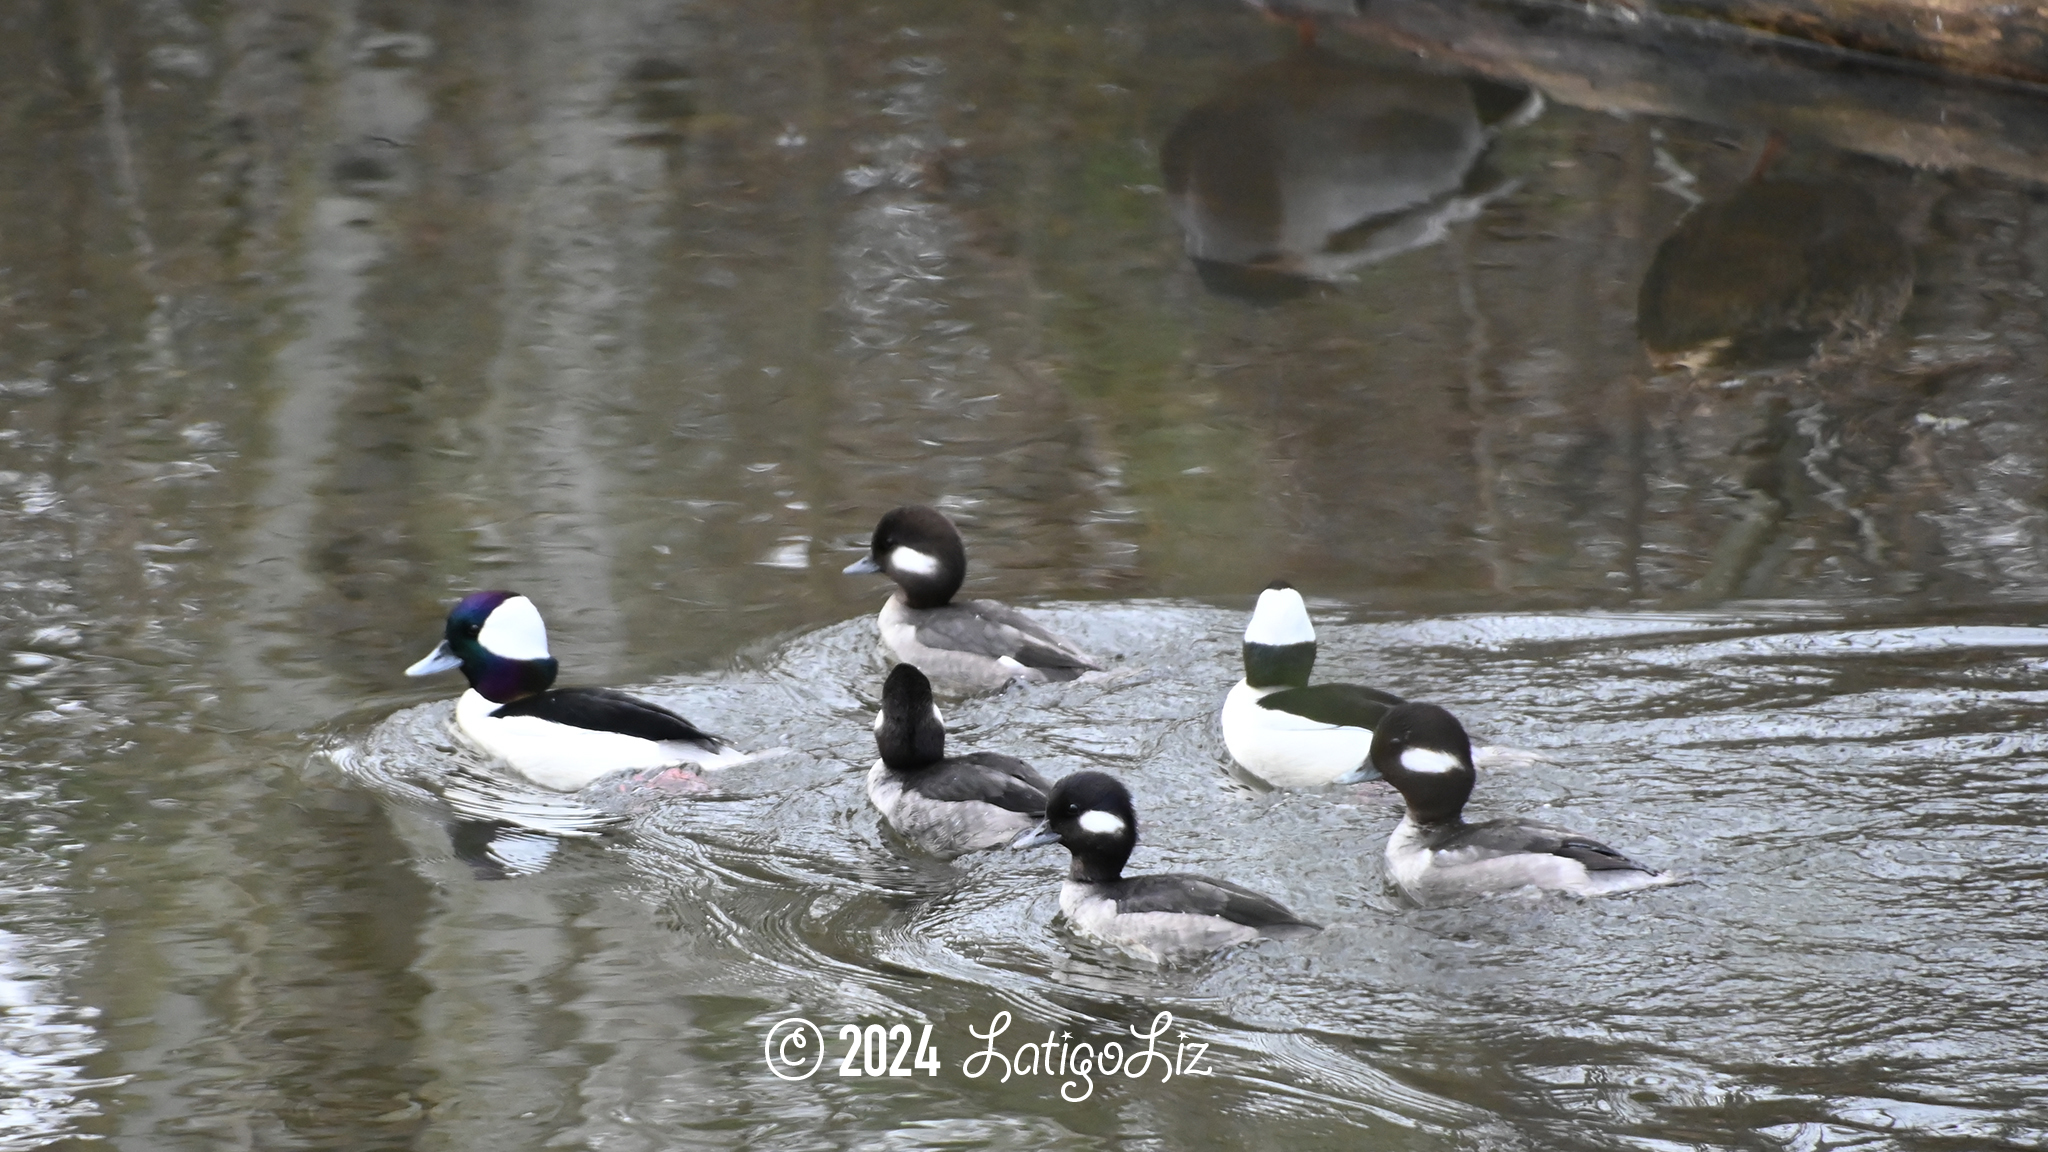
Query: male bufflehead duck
pixel 946 805
pixel 1435 857
pixel 559 738
pixel 1154 916
pixel 1280 729
pixel 975 645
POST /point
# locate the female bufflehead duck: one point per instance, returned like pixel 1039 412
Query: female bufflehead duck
pixel 1280 729
pixel 973 644
pixel 946 805
pixel 560 738
pixel 1153 916
pixel 1434 856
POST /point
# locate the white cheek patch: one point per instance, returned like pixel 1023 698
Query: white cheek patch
pixel 914 562
pixel 1281 618
pixel 879 717
pixel 514 630
pixel 1101 823
pixel 937 718
pixel 1430 761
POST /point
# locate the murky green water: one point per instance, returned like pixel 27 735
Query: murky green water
pixel 315 314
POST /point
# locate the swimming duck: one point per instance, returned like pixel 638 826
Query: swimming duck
pixel 1157 917
pixel 559 738
pixel 971 645
pixel 1277 726
pixel 946 805
pixel 1436 857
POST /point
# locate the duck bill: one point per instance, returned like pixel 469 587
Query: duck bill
pixel 1359 775
pixel 862 566
pixel 441 659
pixel 1035 837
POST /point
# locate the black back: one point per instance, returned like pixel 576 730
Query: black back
pixel 977 626
pixel 1512 837
pixel 1351 705
pixel 1206 896
pixel 603 710
pixel 986 777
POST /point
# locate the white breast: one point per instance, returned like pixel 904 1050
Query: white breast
pixel 1285 750
pixel 566 758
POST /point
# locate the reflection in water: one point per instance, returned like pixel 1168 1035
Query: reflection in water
pixel 312 313
pixel 1305 168
pixel 1781 270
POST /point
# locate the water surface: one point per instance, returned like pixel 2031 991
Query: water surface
pixel 314 315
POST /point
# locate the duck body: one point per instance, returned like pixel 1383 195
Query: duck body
pixel 1435 857
pixel 559 738
pixel 978 645
pixel 1439 863
pixel 1158 917
pixel 1175 914
pixel 966 645
pixel 565 738
pixel 1283 730
pixel 945 805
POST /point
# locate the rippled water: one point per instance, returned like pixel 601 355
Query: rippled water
pixel 1683 431
pixel 1832 789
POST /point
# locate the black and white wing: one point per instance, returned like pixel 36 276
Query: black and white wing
pixel 1495 838
pixel 1190 894
pixel 604 710
pixel 1345 705
pixel 992 628
pixel 988 777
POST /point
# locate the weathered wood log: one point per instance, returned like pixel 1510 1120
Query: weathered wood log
pixel 1979 37
pixel 1644 61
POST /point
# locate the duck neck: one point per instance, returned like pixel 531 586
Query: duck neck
pixel 1100 866
pixel 502 681
pixel 935 592
pixel 1279 665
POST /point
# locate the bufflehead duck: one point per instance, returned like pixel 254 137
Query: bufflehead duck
pixel 946 805
pixel 1280 729
pixel 1154 916
pixel 975 645
pixel 559 738
pixel 1435 857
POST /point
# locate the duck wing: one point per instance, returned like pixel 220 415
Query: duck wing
pixel 1194 895
pixel 604 710
pixel 1513 837
pixel 988 777
pixel 1345 705
pixel 992 628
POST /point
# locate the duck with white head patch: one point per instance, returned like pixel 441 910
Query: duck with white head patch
pixel 1157 917
pixel 946 805
pixel 968 645
pixel 1277 726
pixel 1435 857
pixel 559 738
